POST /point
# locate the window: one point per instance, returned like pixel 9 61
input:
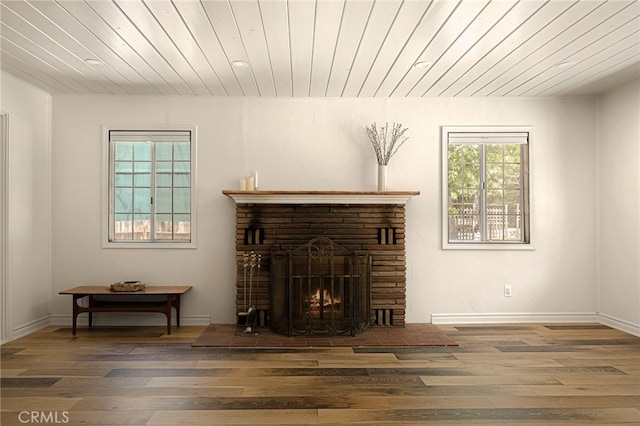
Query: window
pixel 485 187
pixel 151 187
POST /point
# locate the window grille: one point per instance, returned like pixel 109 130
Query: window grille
pixel 150 186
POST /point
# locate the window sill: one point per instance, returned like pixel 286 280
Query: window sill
pixel 132 245
pixel 495 246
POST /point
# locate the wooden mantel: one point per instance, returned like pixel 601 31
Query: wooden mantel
pixel 320 197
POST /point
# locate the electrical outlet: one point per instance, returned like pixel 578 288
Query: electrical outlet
pixel 507 290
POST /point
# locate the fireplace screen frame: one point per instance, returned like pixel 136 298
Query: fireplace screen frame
pixel 341 279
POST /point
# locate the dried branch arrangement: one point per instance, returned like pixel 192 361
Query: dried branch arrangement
pixel 386 143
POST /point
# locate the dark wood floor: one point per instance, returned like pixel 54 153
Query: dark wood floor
pixel 503 374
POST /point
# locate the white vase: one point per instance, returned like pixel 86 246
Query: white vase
pixel 382 177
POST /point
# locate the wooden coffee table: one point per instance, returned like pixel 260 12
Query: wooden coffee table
pixel 126 301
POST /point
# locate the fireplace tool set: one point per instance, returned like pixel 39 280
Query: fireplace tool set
pixel 251 266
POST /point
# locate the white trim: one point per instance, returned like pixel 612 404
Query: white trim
pixel 30 327
pixel 488 137
pixel 5 318
pixel 131 319
pixel 444 227
pixel 619 324
pixel 319 197
pixel 144 135
pixel 479 128
pixel 501 318
pixel 105 187
pixel 436 319
pixel 538 318
pixel 488 246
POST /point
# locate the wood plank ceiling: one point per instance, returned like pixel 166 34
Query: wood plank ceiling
pixel 322 48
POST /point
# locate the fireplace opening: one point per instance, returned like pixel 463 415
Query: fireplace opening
pixel 320 289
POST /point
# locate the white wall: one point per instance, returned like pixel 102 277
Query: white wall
pixel 619 205
pixel 320 144
pixel 28 238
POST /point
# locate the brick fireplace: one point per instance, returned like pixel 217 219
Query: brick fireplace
pixel 268 222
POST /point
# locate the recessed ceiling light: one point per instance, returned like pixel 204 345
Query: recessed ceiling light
pixel 93 62
pixel 240 64
pixel 565 64
pixel 422 64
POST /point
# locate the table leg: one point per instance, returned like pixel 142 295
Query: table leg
pixel 170 300
pixel 169 321
pixel 176 304
pixel 91 303
pixel 173 301
pixel 75 314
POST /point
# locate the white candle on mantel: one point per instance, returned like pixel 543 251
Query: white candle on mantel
pixel 251 185
pixel 243 184
pixel 255 180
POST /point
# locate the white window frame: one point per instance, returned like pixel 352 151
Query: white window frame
pixel 106 188
pixel 482 245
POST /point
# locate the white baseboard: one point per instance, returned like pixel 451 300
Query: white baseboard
pixel 619 324
pixel 128 319
pixel 205 320
pixel 554 317
pixel 105 320
pixel 499 318
pixel 30 327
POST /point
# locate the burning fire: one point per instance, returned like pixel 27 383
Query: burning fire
pixel 322 299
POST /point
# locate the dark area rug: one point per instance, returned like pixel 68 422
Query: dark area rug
pixel 229 335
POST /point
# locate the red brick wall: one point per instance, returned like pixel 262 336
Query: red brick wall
pixel 379 229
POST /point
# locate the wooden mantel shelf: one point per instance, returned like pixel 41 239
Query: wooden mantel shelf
pixel 320 197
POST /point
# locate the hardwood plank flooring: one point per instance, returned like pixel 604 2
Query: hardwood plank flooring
pixel 555 374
